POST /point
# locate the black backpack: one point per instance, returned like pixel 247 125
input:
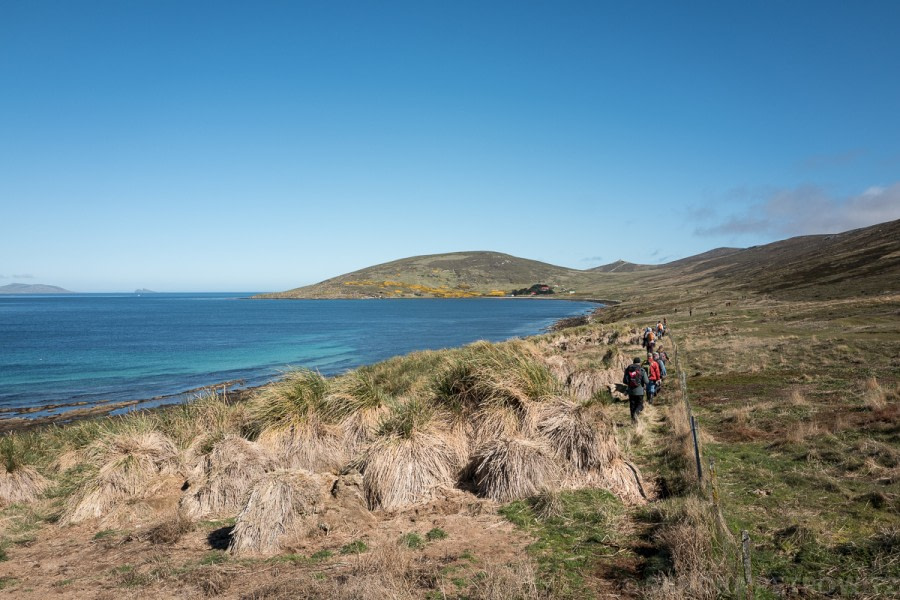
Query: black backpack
pixel 633 375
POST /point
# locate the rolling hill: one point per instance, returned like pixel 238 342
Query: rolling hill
pixel 622 266
pixel 457 274
pixel 862 261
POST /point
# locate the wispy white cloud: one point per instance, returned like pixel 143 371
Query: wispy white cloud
pixel 810 209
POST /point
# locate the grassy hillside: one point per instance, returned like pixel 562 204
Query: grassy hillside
pixel 458 274
pixel 621 266
pixel 863 261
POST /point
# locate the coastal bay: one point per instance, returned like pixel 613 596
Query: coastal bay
pixel 91 354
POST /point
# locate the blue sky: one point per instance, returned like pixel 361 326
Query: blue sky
pixel 188 146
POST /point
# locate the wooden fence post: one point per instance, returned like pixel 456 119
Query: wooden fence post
pixel 745 555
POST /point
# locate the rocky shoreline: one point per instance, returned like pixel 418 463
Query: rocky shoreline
pixel 230 391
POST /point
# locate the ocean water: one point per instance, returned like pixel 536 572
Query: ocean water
pixel 99 348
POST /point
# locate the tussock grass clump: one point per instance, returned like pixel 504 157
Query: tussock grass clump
pixel 359 403
pixel 412 456
pixel 584 441
pixel 227 474
pixel 207 417
pixel 548 504
pixel 560 367
pixel 484 372
pixel 293 422
pixel 580 433
pixel 129 466
pixel 488 388
pixel 276 507
pixel 512 468
pixel 19 483
pixel 620 477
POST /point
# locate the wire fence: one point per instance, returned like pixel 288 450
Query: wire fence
pixel 735 551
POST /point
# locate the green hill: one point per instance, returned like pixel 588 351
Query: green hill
pixel 457 274
pixel 862 261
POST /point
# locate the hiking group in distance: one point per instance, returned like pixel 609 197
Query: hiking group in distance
pixel 646 378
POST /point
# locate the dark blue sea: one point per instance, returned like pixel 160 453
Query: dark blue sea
pixel 99 348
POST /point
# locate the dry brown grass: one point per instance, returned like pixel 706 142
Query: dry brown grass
pixel 874 396
pixel 516 581
pixel 23 484
pixel 580 433
pixel 227 473
pixel 678 445
pixel 688 536
pixel 738 416
pixel 296 425
pixel 796 398
pixel 208 417
pixel 276 507
pixel 802 431
pixel 512 468
pixel 65 461
pixel 316 446
pixel 170 530
pixel 415 452
pixel 620 477
pixel 399 471
pixel 548 504
pixel 386 571
pixel 129 467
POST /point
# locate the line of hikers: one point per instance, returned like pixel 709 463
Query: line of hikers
pixel 645 379
pixel 651 336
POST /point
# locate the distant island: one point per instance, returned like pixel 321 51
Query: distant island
pixel 144 291
pixel 36 288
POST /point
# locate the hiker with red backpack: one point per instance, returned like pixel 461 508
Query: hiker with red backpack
pixel 635 380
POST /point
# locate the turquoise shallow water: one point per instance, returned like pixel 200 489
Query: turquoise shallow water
pixel 97 348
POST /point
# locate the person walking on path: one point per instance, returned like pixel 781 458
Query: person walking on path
pixel 657 356
pixel 635 380
pixel 663 355
pixel 654 375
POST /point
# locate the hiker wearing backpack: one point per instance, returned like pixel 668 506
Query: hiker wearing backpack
pixel 651 341
pixel 654 375
pixel 646 337
pixel 657 356
pixel 635 379
pixel 660 330
pixel 663 355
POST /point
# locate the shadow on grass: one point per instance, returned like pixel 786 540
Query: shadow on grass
pixel 218 538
